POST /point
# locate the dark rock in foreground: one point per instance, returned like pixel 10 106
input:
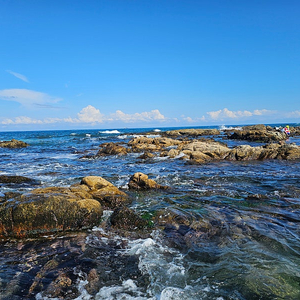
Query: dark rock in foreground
pixel 13 144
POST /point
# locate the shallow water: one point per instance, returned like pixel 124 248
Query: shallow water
pixel 238 235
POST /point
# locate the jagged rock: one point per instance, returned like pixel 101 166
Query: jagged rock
pixel 126 219
pixel 192 132
pixel 258 133
pixel 13 144
pixel 202 152
pixel 140 181
pixel 140 144
pixel 112 149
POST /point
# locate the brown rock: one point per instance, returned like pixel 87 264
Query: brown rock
pixel 192 132
pixel 112 149
pixel 13 144
pixel 140 181
pixel 95 182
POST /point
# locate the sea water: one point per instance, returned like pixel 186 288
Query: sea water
pixel 247 242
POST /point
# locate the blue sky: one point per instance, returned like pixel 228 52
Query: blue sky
pixel 146 63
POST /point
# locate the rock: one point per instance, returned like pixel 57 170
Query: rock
pixel 14 179
pixel 110 197
pixel 203 151
pixel 13 144
pixel 126 219
pixel 41 213
pixel 146 155
pixel 192 132
pixel 95 182
pixel 258 133
pixel 104 191
pixel 140 181
pixel 112 149
pixel 140 144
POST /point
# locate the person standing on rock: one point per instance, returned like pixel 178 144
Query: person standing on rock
pixel 287 129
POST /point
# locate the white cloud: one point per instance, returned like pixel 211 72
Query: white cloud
pixel 90 114
pixel 18 75
pixel 153 115
pixel 225 113
pixel 28 98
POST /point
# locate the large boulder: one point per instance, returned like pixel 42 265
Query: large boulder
pixel 41 213
pixel 13 144
pixel 55 209
pixel 140 181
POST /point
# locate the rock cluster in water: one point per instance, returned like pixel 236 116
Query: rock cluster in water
pixel 60 209
pixel 13 144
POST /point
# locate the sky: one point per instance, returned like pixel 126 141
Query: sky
pixel 70 64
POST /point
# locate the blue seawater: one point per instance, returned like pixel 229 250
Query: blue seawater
pixel 247 213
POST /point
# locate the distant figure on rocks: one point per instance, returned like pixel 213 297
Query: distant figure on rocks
pixel 287 129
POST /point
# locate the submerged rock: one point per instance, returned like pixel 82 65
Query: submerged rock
pixel 140 181
pixel 13 144
pixel 126 219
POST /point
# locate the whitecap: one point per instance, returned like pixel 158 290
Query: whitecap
pixel 88 135
pixel 156 130
pixel 110 132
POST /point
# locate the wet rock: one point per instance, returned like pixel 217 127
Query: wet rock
pixel 40 213
pixel 14 179
pixel 112 149
pixel 201 151
pixel 60 286
pixel 192 132
pixel 269 151
pixel 95 182
pixel 104 191
pixel 126 219
pixel 140 181
pixel 258 133
pixel 146 144
pixel 146 155
pixel 13 144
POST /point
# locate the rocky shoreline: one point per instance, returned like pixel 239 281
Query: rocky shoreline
pixel 28 219
pixel 80 206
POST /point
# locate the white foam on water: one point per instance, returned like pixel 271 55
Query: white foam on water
pixel 223 127
pixel 156 130
pixel 128 290
pixel 181 154
pixel 88 135
pixel 73 133
pixel 110 131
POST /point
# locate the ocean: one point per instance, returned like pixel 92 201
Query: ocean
pixel 247 212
